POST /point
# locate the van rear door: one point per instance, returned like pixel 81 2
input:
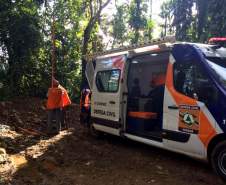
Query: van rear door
pixel 106 94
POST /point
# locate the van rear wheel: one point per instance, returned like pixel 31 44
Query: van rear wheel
pixel 218 159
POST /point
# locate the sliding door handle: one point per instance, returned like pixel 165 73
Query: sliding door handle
pixel 173 107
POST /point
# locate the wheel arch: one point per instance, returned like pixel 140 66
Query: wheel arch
pixel 214 141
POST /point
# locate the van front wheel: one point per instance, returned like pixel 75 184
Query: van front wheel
pixel 218 159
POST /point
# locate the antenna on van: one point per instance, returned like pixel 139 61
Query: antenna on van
pixel 167 39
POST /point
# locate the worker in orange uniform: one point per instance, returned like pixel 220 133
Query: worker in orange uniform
pixel 85 107
pixel 58 99
pixel 156 95
pixel 157 92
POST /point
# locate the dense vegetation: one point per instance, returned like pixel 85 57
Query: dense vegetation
pixel 81 27
pixel 194 20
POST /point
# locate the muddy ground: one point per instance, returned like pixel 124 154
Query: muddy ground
pixel 74 157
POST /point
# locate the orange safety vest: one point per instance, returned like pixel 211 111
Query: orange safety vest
pixel 85 100
pixel 57 98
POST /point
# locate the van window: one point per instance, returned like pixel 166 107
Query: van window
pixel 190 80
pixel 108 81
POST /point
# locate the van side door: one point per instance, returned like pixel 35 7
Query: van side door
pixel 106 94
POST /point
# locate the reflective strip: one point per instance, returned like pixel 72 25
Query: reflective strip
pixel 87 101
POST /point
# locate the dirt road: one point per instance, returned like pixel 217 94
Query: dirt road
pixel 76 158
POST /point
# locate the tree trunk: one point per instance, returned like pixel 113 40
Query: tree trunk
pixel 86 37
pixel 87 34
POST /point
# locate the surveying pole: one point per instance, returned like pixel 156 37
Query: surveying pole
pixel 53 52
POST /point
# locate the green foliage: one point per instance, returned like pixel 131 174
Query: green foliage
pixel 68 34
pixel 216 21
pixel 200 32
pixel 167 9
pixel 25 36
pixel 19 39
pixel 137 19
pixel 150 24
pixel 119 26
pixel 25 42
pixel 183 19
pixel 194 20
pixel 131 24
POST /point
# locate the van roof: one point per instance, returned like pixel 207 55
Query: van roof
pixel 165 43
pixel 211 50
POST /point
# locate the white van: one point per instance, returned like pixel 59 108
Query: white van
pixel 169 95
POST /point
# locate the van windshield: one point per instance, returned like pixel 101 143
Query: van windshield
pixel 219 67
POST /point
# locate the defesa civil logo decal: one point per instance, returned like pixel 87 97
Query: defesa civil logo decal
pixel 189 119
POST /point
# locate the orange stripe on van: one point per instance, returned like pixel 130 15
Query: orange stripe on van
pixel 206 130
pixel 206 127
